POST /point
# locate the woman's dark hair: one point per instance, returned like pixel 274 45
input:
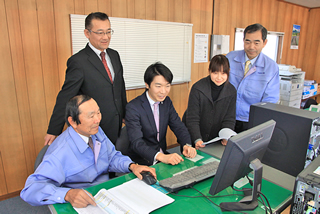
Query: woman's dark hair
pixel 157 69
pixel 217 61
pixel 72 108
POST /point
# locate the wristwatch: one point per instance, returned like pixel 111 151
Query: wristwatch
pixel 130 165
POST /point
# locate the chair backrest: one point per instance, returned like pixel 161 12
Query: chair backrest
pixel 309 102
pixel 40 157
pixel 122 143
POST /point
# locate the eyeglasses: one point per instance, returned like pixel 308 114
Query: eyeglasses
pixel 101 33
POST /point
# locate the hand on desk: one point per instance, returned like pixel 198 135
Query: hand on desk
pixel 189 151
pixel 199 144
pixel 49 138
pixel 172 159
pixel 137 169
pixel 79 198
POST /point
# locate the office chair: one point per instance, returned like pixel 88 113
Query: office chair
pixel 40 156
pixel 309 102
pixel 122 143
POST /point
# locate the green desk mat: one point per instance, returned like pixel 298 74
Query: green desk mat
pixel 275 194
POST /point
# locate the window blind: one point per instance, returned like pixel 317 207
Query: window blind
pixel 141 43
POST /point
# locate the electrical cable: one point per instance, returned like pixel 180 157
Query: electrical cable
pixel 260 193
pixel 213 202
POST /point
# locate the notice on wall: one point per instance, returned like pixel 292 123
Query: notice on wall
pixel 201 42
pixel 295 37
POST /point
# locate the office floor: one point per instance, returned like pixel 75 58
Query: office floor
pixel 17 206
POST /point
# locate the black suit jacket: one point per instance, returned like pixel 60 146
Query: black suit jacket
pixel 142 131
pixel 86 75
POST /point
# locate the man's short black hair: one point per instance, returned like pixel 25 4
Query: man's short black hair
pixel 217 61
pixel 96 15
pixel 72 108
pixel 256 27
pixel 157 69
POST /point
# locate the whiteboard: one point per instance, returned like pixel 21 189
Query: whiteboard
pixel 141 43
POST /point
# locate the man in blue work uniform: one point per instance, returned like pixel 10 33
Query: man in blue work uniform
pixel 253 74
pixel 82 156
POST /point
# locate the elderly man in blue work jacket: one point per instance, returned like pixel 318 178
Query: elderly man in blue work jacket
pixel 80 157
pixel 253 74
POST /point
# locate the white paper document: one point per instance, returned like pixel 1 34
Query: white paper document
pixel 224 133
pixel 132 197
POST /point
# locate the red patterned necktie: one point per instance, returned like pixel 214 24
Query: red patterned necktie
pixel 103 58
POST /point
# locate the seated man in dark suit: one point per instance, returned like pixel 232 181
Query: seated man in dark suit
pixel 148 117
pixel 80 157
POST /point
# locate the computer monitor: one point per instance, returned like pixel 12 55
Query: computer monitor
pixel 294 138
pixel 243 154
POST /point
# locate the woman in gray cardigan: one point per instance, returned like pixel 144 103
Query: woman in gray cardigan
pixel 212 103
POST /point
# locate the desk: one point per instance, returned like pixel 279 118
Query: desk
pixel 271 174
pixel 276 195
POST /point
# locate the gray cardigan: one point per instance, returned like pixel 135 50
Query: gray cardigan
pixel 205 118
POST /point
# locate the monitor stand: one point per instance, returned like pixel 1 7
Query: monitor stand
pixel 250 201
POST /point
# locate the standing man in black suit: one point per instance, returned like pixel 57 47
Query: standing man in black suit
pixel 98 75
pixel 148 117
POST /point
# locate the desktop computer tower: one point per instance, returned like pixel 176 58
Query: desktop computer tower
pixel 306 194
pixel 295 140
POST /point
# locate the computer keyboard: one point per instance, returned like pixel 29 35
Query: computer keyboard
pixel 188 178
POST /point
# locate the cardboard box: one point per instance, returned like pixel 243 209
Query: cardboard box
pixel 310 87
pixel 309 82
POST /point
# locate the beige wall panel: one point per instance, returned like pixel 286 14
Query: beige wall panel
pixel 176 11
pixel 280 16
pixel 303 37
pixel 105 7
pixel 316 57
pixel 33 67
pixel 162 10
pixel 131 94
pixel 151 9
pixel 10 138
pixel 186 8
pixel 195 20
pixel 3 186
pixel 130 9
pixel 79 7
pixel 246 17
pixel 316 69
pixel 140 9
pixel 265 14
pixel 312 55
pixel 90 6
pixel 49 61
pixel 63 9
pixel 24 122
pixel 119 8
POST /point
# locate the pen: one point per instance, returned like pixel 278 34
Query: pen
pixel 89 195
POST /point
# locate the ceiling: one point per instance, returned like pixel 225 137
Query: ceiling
pixel 305 3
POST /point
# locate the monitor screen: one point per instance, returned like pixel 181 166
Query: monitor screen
pixel 243 154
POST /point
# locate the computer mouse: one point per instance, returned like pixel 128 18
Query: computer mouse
pixel 148 178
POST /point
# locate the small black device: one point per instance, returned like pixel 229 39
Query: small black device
pixel 306 194
pixel 148 178
pixel 242 154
